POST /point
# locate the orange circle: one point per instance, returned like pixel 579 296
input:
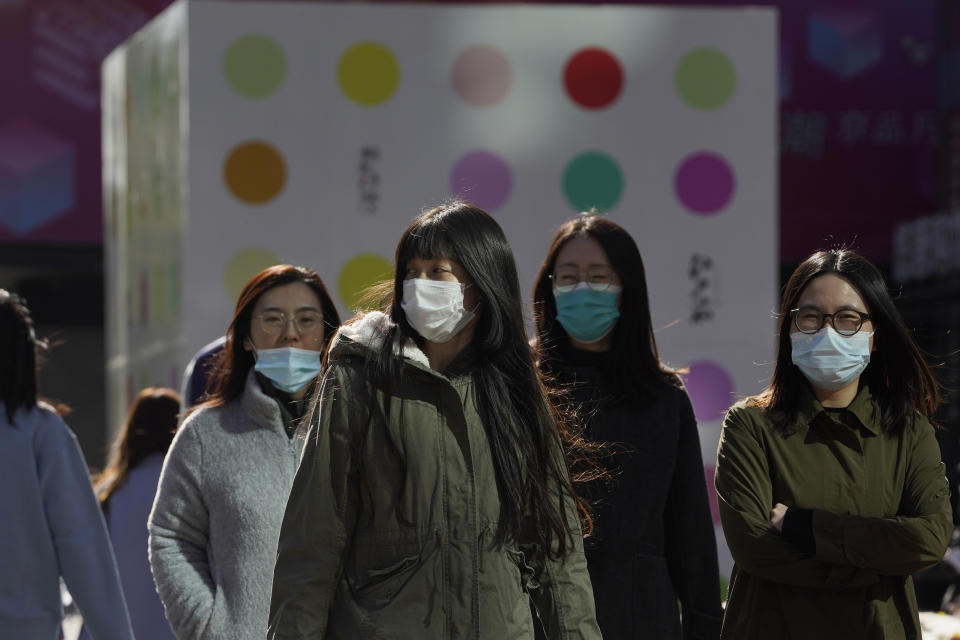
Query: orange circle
pixel 255 172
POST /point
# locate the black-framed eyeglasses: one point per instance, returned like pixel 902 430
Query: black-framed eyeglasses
pixel 846 322
pixel 597 278
pixel 304 322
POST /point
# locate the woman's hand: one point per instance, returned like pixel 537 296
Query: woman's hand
pixel 776 515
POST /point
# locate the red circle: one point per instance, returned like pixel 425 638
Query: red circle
pixel 593 78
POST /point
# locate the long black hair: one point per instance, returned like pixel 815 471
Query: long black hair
pixel 234 362
pixel 19 348
pixel 520 422
pixel 635 362
pixel 898 376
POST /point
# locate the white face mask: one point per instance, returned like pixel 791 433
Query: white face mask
pixel 435 308
pixel 829 360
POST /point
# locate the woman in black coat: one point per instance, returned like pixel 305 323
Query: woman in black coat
pixel 652 554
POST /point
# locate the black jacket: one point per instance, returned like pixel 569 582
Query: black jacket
pixel 653 545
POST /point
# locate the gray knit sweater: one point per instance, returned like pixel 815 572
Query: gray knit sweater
pixel 216 518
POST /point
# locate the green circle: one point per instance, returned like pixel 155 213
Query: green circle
pixel 705 78
pixel 593 181
pixel 254 65
pixel 243 265
pixel 359 273
pixel 368 73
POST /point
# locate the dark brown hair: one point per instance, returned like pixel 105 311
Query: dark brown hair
pixel 234 362
pixel 148 429
pixel 18 354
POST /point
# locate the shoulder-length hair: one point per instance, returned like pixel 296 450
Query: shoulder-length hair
pixel 521 423
pixel 898 376
pixel 234 362
pixel 636 361
pixel 18 355
pixel 149 428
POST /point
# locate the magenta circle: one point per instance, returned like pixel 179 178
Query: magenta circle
pixel 704 182
pixel 710 388
pixel 482 178
pixel 481 75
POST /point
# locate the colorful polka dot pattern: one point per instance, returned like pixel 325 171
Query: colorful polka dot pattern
pixel 255 66
pixel 243 265
pixel 255 172
pixel 368 73
pixel 710 387
pixel 482 178
pixel 361 272
pixel 482 76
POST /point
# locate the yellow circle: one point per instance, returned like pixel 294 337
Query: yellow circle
pixel 359 273
pixel 255 172
pixel 243 265
pixel 368 73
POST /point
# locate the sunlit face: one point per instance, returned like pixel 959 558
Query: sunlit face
pixel 831 294
pixel 585 255
pixel 443 270
pixel 289 315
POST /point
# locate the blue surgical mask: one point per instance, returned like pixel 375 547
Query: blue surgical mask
pixel 828 360
pixel 289 369
pixel 587 315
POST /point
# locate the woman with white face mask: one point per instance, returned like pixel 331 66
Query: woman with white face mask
pixel 225 481
pixel 433 500
pixel 830 484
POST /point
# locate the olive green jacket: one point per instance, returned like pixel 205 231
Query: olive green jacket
pixel 388 532
pixel 881 511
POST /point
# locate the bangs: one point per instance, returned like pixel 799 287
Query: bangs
pixel 428 239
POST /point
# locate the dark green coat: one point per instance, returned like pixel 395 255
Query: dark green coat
pixel 881 512
pixel 369 549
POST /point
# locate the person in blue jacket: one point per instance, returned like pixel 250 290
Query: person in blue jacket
pixel 51 525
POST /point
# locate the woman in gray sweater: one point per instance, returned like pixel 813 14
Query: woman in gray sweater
pixel 225 482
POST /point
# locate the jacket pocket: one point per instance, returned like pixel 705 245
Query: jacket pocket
pixel 375 580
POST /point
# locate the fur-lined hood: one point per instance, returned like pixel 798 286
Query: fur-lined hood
pixel 367 333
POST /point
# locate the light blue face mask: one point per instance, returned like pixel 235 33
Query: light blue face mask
pixel 587 315
pixel 289 369
pixel 828 360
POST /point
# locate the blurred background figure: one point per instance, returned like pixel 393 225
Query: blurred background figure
pixel 198 373
pixel 224 485
pixel 126 489
pixel 51 524
pixel 653 546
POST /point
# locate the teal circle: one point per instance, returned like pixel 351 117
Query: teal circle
pixel 705 78
pixel 593 181
pixel 255 65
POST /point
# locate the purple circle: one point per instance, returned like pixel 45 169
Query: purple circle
pixel 710 388
pixel 704 183
pixel 481 75
pixel 482 178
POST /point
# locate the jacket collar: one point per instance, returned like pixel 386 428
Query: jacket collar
pixel 862 407
pixel 260 408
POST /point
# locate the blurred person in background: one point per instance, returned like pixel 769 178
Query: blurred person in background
pixel 652 554
pixel 51 524
pixel 227 476
pixel 126 488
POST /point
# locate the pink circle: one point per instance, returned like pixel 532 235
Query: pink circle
pixel 710 388
pixel 704 183
pixel 481 75
pixel 482 178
